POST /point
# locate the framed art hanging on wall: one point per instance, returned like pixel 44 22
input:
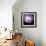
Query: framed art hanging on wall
pixel 28 19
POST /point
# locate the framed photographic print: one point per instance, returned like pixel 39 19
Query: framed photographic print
pixel 28 19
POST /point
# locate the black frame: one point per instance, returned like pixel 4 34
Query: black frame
pixel 35 19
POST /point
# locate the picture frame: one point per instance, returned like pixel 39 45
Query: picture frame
pixel 28 19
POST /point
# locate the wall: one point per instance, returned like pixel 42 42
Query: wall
pixel 6 13
pixel 43 22
pixel 6 16
pixel 25 6
pixel 32 5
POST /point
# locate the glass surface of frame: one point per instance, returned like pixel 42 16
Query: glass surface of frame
pixel 28 19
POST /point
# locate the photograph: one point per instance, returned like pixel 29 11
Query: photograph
pixel 28 19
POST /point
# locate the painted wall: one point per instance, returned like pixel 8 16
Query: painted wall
pixel 6 13
pixel 6 16
pixel 43 22
pixel 28 6
pixel 37 33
